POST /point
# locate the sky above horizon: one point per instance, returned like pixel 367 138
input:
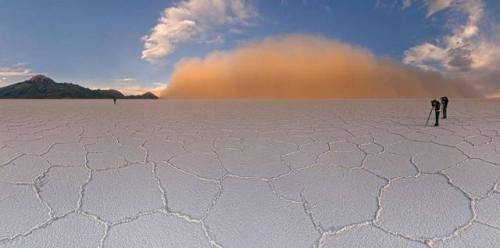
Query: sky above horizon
pixel 135 46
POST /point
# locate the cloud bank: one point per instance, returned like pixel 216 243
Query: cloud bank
pixel 189 19
pixel 303 66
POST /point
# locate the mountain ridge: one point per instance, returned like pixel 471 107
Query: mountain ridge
pixel 43 87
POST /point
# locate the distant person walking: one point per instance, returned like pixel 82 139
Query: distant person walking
pixel 114 100
pixel 444 101
pixel 437 106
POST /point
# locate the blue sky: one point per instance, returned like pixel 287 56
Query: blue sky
pixel 101 43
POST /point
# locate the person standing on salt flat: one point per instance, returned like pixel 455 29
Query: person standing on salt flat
pixel 437 106
pixel 114 100
pixel 444 101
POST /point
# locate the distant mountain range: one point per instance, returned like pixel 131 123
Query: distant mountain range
pixel 42 87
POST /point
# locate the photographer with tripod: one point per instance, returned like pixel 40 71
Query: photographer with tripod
pixel 436 106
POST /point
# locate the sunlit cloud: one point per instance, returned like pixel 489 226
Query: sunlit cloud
pixel 126 80
pixel 495 95
pixel 471 49
pixel 303 66
pixel 190 19
pixel 454 52
pixel 14 73
pixel 134 89
pixel 433 6
pixel 139 90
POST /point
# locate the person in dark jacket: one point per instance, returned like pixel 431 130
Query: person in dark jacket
pixel 114 100
pixel 444 102
pixel 437 106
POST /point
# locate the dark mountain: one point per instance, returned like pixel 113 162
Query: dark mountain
pixel 147 95
pixel 42 87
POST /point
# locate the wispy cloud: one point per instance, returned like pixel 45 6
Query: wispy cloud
pixel 470 50
pixel 433 6
pixel 125 80
pixel 406 3
pixel 14 73
pixel 190 19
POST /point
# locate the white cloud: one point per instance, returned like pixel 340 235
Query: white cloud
pixel 471 49
pixel 434 6
pixel 406 3
pixel 6 72
pixel 14 73
pixel 423 55
pixel 216 41
pixel 189 19
pixel 126 80
pixel 457 51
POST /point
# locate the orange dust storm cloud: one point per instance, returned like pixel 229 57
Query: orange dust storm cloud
pixel 304 66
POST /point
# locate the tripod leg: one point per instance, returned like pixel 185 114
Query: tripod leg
pixel 428 118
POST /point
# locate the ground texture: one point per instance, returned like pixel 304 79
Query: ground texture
pixel 248 174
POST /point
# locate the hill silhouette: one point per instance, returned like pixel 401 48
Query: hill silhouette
pixel 42 87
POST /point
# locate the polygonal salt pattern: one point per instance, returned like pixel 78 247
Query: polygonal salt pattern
pixel 356 173
pixel 186 193
pixel 21 210
pixel 425 207
pixel 24 169
pixel 105 160
pixel 368 236
pixel 390 165
pixel 259 219
pixel 335 194
pixel 488 210
pixel 69 154
pixel 477 236
pixel 117 194
pixel 475 177
pixel 202 164
pixel 71 231
pixel 155 231
pixel 61 188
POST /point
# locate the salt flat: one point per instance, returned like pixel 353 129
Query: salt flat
pixel 351 173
